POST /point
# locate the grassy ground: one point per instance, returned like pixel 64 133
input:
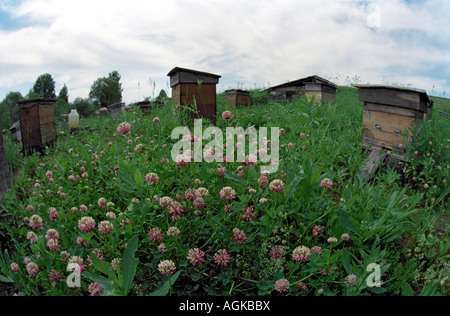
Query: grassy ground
pixel 398 221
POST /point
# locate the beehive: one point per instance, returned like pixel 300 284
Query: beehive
pixel 238 97
pixel 37 124
pixel 389 112
pixel 191 87
pixel 322 90
pixel 16 135
pixel 146 107
pixel 116 109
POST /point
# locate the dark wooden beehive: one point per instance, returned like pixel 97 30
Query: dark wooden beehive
pixel 322 90
pixel 146 107
pixel 238 98
pixel 191 87
pixel 37 124
pixel 391 111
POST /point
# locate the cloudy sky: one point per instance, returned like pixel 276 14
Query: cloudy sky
pixel 250 43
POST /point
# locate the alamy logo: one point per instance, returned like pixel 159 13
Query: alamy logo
pixel 190 148
pixel 74 279
pixel 374 279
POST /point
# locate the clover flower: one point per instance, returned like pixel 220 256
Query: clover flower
pixel 196 256
pixel 301 254
pixel 227 115
pixel 152 177
pixel 222 258
pixel 36 221
pixel 276 185
pixel 86 224
pixel 277 252
pixel 32 268
pixel 156 235
pixel 326 183
pixel 282 285
pixel 167 267
pixel 105 227
pixel 239 236
pixel 227 193
pixel 95 289
pixel 124 128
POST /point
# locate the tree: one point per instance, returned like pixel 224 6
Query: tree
pixel 9 109
pixel 62 105
pixel 64 94
pixel 84 106
pixel 162 96
pixel 45 86
pixel 107 90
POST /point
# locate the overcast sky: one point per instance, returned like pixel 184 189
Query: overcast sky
pixel 250 43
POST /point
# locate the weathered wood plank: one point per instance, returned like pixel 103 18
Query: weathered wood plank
pixel 389 109
pixel 375 160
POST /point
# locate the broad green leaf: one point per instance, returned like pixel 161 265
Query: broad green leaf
pixel 138 178
pixel 345 259
pixel 265 287
pixel 102 266
pixel 129 264
pixel 407 289
pixel 165 288
pixel 106 284
pixel 348 222
pixel 6 279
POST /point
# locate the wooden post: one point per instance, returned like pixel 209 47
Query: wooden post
pixel 5 173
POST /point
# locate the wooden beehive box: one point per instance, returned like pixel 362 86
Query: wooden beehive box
pixel 191 87
pixel 391 111
pixel 37 124
pixel 16 134
pixel 146 107
pixel 321 91
pixel 238 97
pixel 116 109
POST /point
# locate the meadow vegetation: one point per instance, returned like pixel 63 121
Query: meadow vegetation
pixel 110 202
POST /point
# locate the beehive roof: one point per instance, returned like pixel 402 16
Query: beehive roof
pixel 300 82
pixel 179 69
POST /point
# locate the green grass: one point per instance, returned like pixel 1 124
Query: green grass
pixel 398 221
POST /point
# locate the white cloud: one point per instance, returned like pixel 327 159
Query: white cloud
pixel 254 42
